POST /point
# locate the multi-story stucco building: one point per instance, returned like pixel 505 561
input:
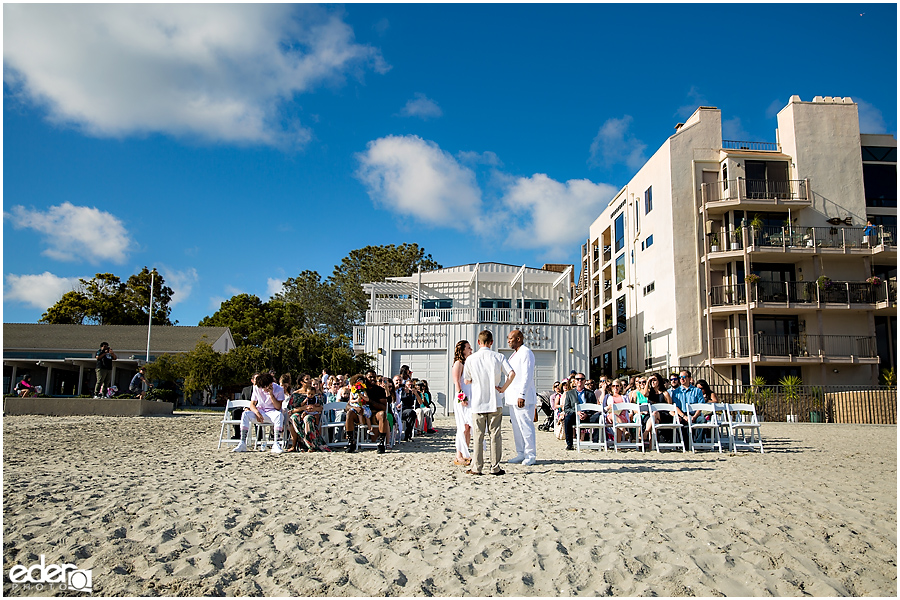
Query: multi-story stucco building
pixel 417 321
pixel 751 258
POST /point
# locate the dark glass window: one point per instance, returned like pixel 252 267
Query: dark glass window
pixel 620 232
pixel 879 154
pixel 648 200
pixel 621 315
pixel 881 184
pixel 607 364
pixel 432 304
pixel 622 358
pixel 620 271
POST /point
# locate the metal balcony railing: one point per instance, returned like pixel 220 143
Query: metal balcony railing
pixel 832 292
pixel 756 146
pixel 797 345
pixel 740 189
pixel 727 295
pixel 822 237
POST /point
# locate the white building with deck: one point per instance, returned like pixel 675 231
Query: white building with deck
pixel 417 321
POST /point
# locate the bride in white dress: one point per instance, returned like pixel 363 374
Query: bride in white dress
pixel 462 410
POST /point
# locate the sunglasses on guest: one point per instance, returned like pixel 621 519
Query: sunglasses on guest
pixel 579 378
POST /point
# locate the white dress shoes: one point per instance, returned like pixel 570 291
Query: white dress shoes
pixel 516 459
pixel 529 461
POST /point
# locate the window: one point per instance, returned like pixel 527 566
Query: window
pixel 637 215
pixel 622 359
pixel 649 287
pixel 647 243
pixel 880 182
pixel 607 364
pixel 535 310
pixel 494 311
pixel 879 154
pixel 648 200
pixel 648 351
pixel 620 271
pixel 621 316
pixel 725 175
pixel 620 232
pixel 436 304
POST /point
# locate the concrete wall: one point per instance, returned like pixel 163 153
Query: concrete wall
pixel 823 137
pixel 66 407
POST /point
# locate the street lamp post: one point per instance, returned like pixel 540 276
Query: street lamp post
pixel 150 320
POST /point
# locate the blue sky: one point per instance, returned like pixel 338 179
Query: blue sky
pixel 234 146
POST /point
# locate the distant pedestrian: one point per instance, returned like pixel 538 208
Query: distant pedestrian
pixel 136 387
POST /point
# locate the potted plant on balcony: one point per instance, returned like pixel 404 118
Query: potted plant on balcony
pixel 752 278
pixel 714 242
pixel 874 280
pixel 790 385
pixel 736 238
pixel 824 282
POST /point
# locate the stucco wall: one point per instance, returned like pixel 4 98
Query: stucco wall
pixel 65 407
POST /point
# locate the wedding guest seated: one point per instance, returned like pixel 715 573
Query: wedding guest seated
pixel 426 408
pixel 265 407
pixel 575 397
pixel 304 413
pixel 377 402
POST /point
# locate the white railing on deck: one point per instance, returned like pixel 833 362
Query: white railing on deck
pixel 411 316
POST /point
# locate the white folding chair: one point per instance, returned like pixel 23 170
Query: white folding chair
pixel 741 420
pixel 637 438
pixel 332 423
pixel 228 420
pixel 579 427
pixel 708 426
pixel 657 425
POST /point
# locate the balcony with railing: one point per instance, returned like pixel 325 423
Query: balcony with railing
pixel 728 295
pixel 815 295
pixel 821 239
pixel 764 194
pixel 359 337
pixel 753 146
pixel 796 348
pixel 477 315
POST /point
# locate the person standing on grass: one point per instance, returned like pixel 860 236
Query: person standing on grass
pixel 483 371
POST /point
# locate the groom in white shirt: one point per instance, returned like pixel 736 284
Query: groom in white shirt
pixel 521 398
pixel 483 370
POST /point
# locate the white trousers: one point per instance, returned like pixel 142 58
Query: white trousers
pixel 276 417
pixel 522 421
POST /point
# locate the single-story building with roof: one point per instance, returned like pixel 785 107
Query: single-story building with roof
pixel 60 358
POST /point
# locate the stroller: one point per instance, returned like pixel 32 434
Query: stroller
pixel 547 425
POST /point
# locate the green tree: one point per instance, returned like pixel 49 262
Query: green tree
pixel 252 321
pixel 105 300
pixel 201 369
pixel 370 264
pixel 315 298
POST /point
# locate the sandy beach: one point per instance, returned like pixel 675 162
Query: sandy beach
pixel 152 508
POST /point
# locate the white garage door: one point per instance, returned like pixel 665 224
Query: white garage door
pixel 430 365
pixel 544 368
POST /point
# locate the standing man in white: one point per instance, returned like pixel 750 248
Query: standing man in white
pixel 521 399
pixel 483 371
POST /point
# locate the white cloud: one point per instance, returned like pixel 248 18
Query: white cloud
pixel 614 144
pixel 215 303
pixel 545 209
pixel 274 286
pixel 421 106
pixel 232 290
pixel 40 291
pixel 696 100
pixel 479 158
pixel 870 118
pixel 217 71
pixel 181 282
pixel 732 129
pixel 775 108
pixel 76 232
pixel 415 178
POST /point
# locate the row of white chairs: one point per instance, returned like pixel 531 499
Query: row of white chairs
pixel 331 426
pixel 735 426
